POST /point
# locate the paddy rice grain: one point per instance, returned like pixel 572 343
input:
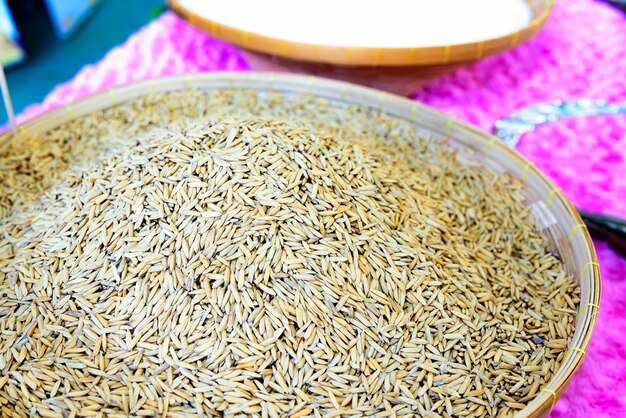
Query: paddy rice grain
pixel 230 253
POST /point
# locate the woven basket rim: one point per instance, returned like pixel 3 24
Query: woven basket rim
pixel 363 56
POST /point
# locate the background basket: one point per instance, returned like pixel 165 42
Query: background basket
pixel 567 234
pixel 398 70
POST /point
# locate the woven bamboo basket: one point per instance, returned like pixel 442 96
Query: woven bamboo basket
pixel 566 232
pixel 397 70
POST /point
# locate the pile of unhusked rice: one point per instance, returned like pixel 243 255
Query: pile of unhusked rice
pixel 234 253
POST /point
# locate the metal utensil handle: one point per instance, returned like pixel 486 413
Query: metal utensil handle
pixel 6 98
pixel 513 127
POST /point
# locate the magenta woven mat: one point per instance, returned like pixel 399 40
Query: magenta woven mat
pixel 580 53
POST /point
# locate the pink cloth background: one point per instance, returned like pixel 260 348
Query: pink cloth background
pixel 580 53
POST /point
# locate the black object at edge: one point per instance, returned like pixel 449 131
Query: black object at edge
pixel 606 228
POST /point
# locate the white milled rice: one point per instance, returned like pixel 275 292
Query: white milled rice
pixel 356 23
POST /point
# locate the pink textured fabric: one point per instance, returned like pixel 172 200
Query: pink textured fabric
pixel 580 53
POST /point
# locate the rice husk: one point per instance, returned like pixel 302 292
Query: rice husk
pixel 235 253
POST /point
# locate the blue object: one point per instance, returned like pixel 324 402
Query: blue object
pixel 67 15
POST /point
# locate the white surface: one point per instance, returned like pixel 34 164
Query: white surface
pixel 370 23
